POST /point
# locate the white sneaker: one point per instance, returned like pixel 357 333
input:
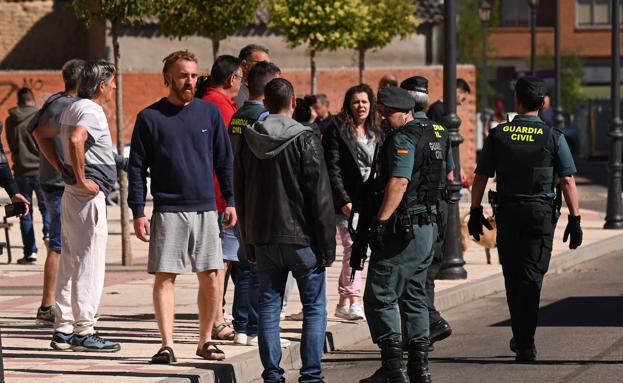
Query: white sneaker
pixel 356 312
pixel 241 338
pixel 297 316
pixel 343 312
pixel 253 342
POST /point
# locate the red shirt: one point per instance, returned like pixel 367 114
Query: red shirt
pixel 227 106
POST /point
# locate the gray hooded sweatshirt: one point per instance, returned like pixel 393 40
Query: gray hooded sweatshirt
pixel 268 138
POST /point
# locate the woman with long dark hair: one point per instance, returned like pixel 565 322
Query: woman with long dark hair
pixel 349 152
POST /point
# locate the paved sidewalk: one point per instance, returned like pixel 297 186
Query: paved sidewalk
pixel 127 316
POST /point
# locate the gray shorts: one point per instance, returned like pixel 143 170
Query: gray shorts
pixel 177 235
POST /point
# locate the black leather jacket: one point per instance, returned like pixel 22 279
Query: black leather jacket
pixel 344 173
pixel 285 198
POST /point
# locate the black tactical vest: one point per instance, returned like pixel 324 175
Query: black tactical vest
pixel 428 177
pixel 524 158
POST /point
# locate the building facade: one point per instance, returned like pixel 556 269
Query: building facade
pixel 37 37
pixel 585 35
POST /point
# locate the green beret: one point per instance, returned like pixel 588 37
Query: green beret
pixel 396 98
pixel 416 84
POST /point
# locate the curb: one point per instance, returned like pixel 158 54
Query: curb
pixel 247 368
pixel 471 291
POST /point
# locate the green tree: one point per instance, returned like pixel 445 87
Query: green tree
pixel 217 19
pixel 571 72
pixel 470 37
pixel 383 20
pixel 118 13
pixel 322 24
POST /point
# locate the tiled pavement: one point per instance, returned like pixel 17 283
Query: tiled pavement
pixel 127 315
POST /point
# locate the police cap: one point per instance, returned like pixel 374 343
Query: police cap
pixel 396 98
pixel 530 91
pixel 416 84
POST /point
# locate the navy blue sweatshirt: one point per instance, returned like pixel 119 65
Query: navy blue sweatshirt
pixel 180 145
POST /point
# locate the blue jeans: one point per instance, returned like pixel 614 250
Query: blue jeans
pixel 273 264
pixel 53 197
pixel 27 185
pixel 246 296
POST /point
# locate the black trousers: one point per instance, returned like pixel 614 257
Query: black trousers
pixel 524 239
pixel 435 266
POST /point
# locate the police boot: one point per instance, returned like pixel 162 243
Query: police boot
pixel 417 366
pixel 392 367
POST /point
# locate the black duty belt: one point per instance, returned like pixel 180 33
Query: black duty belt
pixel 503 200
pixel 423 218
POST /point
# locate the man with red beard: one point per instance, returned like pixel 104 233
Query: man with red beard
pixel 179 140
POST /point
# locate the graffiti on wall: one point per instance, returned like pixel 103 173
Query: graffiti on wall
pixel 8 88
pixel 33 83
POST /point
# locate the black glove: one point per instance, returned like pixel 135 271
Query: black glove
pixel 574 230
pixel 476 220
pixel 375 235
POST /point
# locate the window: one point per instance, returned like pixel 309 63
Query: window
pixel 516 13
pixel 594 12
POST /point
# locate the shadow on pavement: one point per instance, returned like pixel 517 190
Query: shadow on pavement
pixel 511 360
pixel 580 312
pixel 56 355
pixel 596 171
pixel 148 317
pixel 191 378
pixel 224 373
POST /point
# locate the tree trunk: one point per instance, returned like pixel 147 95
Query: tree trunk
pixel 362 63
pixel 1 361
pixel 216 43
pixel 312 62
pixel 126 248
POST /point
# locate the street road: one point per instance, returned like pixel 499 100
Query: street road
pixel 580 338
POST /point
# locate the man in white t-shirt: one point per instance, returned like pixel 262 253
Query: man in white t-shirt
pixel 89 173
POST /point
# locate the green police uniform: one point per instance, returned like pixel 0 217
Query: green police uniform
pixel 397 272
pixel 439 328
pixel 247 115
pixel 441 133
pixel 444 138
pixel 525 155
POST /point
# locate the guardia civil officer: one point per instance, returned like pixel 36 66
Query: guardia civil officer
pixel 401 238
pixel 417 86
pixel 526 156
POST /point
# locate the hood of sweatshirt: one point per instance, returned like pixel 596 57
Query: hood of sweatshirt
pixel 21 113
pixel 268 138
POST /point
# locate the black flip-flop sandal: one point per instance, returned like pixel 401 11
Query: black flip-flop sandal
pixel 208 351
pixel 164 356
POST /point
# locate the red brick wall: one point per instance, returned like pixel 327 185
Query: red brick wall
pixel 335 82
pixel 514 42
pixel 142 89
